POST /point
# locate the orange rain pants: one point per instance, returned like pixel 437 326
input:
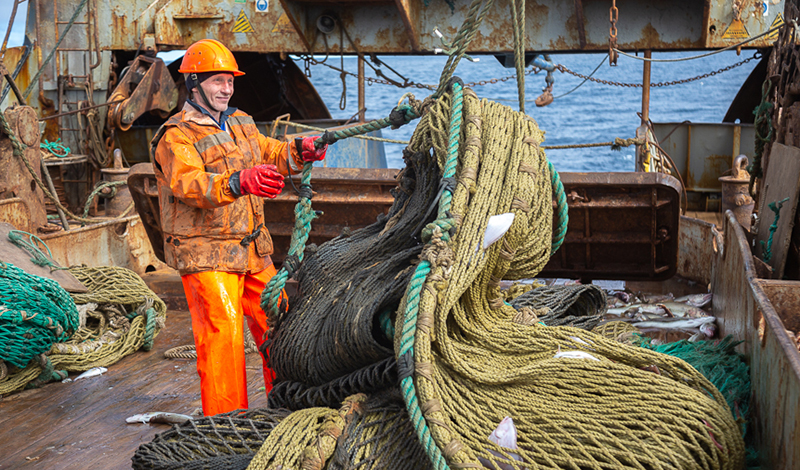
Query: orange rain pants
pixel 217 300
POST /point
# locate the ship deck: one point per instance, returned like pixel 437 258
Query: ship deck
pixel 81 425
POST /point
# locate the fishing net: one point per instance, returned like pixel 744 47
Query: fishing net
pixel 720 364
pixel 465 357
pixel 35 312
pixel 581 306
pixel 330 345
pixel 118 316
pixel 464 363
pixel 225 441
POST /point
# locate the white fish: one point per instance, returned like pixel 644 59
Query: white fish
pixel 497 227
pixel 683 324
pixel 708 329
pixel 574 355
pixel 505 435
pixel 678 309
pixel 696 300
pixel 94 371
pixel 631 310
pixel 158 417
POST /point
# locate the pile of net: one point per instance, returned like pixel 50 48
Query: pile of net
pixel 413 304
pixel 46 332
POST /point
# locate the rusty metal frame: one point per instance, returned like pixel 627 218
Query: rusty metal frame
pixel 621 226
pixel 748 308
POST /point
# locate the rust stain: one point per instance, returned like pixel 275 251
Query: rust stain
pixel 120 25
pixel 650 38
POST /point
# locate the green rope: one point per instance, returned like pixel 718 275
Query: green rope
pixel 56 148
pixel 39 258
pixel 52 52
pixel 150 329
pixel 48 374
pixel 402 114
pixel 101 186
pixel 19 151
pixel 406 351
pixel 303 214
pixel 385 320
pixel 764 133
pixel 463 39
pixel 775 206
pixel 563 217
pixel 365 137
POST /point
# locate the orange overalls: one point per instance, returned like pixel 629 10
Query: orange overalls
pixel 217 241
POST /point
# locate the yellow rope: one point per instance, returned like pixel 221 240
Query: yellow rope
pixel 474 364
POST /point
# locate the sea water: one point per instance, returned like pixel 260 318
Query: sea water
pixel 593 112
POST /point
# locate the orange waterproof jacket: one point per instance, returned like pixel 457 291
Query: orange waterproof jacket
pixel 204 224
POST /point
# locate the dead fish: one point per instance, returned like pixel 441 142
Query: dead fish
pixel 696 300
pixel 656 299
pixel 672 324
pixel 623 296
pixel 94 371
pixel 158 417
pixel 505 436
pixel 708 329
pixel 681 310
pixel 644 316
pixel 631 310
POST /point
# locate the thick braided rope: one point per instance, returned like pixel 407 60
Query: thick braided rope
pixel 303 214
pixel 19 151
pixel 462 40
pixel 563 217
pixel 518 18
pixel 402 114
pixel 483 365
pixel 105 344
pixel 406 352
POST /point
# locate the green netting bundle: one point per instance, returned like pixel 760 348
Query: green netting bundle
pixel 720 364
pixel 35 312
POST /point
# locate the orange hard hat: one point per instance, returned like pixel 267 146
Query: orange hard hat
pixel 209 55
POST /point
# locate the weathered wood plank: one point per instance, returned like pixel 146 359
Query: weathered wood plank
pixel 81 425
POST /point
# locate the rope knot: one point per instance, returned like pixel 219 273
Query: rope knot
pixel 619 143
pixel 401 115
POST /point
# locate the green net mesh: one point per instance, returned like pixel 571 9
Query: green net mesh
pixel 35 312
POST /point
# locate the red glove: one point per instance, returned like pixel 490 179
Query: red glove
pixel 310 153
pixel 261 180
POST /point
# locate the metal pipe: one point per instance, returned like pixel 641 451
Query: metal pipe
pixel 361 92
pixel 82 109
pixel 12 84
pixel 646 88
pixel 52 188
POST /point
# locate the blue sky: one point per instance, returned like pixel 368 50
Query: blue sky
pixel 18 29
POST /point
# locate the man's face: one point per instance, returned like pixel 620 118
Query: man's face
pixel 218 89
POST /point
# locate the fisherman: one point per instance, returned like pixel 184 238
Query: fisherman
pixel 213 167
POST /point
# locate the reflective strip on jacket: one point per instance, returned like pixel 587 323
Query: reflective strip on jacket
pixel 202 221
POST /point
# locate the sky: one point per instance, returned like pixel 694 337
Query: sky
pixel 18 28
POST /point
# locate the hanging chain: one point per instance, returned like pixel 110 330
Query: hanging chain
pixel 412 84
pixel 563 69
pixel 613 16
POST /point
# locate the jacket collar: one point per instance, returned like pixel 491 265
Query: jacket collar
pixel 197 114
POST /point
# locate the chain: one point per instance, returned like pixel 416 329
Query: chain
pixel 410 83
pixel 563 69
pixel 613 16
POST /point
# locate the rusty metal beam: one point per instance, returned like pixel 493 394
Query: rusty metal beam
pixel 409 13
pixel 404 26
